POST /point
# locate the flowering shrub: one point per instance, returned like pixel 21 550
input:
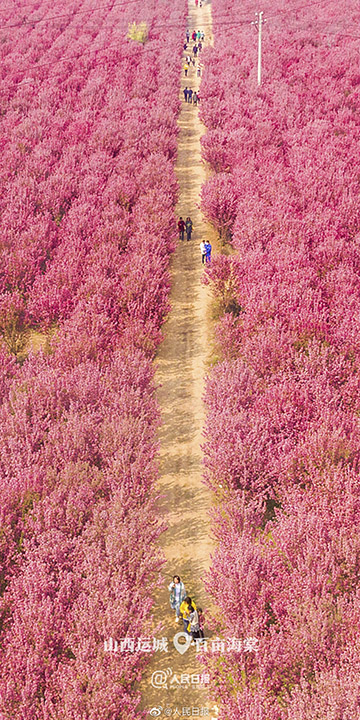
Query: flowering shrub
pixel 282 435
pixel 88 140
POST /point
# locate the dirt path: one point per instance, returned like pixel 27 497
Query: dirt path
pixel 183 360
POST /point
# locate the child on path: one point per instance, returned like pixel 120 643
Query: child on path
pixel 186 608
pixel 177 595
pixel 203 251
pixel 181 228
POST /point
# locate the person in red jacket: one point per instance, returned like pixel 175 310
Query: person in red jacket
pixel 181 227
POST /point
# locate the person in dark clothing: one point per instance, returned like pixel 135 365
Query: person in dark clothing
pixel 187 36
pixel 201 622
pixel 195 49
pixel 193 37
pixel 181 228
pixel 190 94
pixel 186 92
pixel 189 227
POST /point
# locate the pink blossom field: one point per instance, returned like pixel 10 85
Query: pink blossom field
pixel 282 436
pixel 88 189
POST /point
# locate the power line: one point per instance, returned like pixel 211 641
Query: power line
pixel 69 15
pixel 104 48
pixel 301 7
pixel 94 64
pixel 124 56
pixel 240 21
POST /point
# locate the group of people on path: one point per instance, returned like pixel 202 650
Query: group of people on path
pixel 185 607
pixel 196 49
pixel 182 226
pixel 205 245
pixel 205 249
pixel 190 62
pixel 197 36
pixel 191 97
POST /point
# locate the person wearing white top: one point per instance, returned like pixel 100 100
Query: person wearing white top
pixel 177 595
pixel 203 251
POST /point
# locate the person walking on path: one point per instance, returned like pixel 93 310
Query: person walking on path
pixel 195 49
pixel 194 625
pixel 187 36
pixel 186 608
pixel 199 46
pixel 203 251
pixel 201 622
pixel 177 595
pixel 198 35
pixel 208 251
pixel 202 38
pixel 189 227
pixel 190 94
pixel 186 92
pixel 186 67
pixel 195 98
pixel 196 3
pixel 193 37
pixel 181 228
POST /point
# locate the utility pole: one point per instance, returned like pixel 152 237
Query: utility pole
pixel 259 23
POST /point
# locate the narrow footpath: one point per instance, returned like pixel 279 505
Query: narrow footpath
pixel 183 361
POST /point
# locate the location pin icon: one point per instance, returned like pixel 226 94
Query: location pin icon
pixel 179 646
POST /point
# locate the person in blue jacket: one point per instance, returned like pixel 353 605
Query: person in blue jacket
pixel 177 595
pixel 208 251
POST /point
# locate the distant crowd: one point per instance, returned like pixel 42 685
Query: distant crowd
pixel 186 226
pixel 193 61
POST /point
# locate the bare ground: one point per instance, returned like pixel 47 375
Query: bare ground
pixel 183 360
